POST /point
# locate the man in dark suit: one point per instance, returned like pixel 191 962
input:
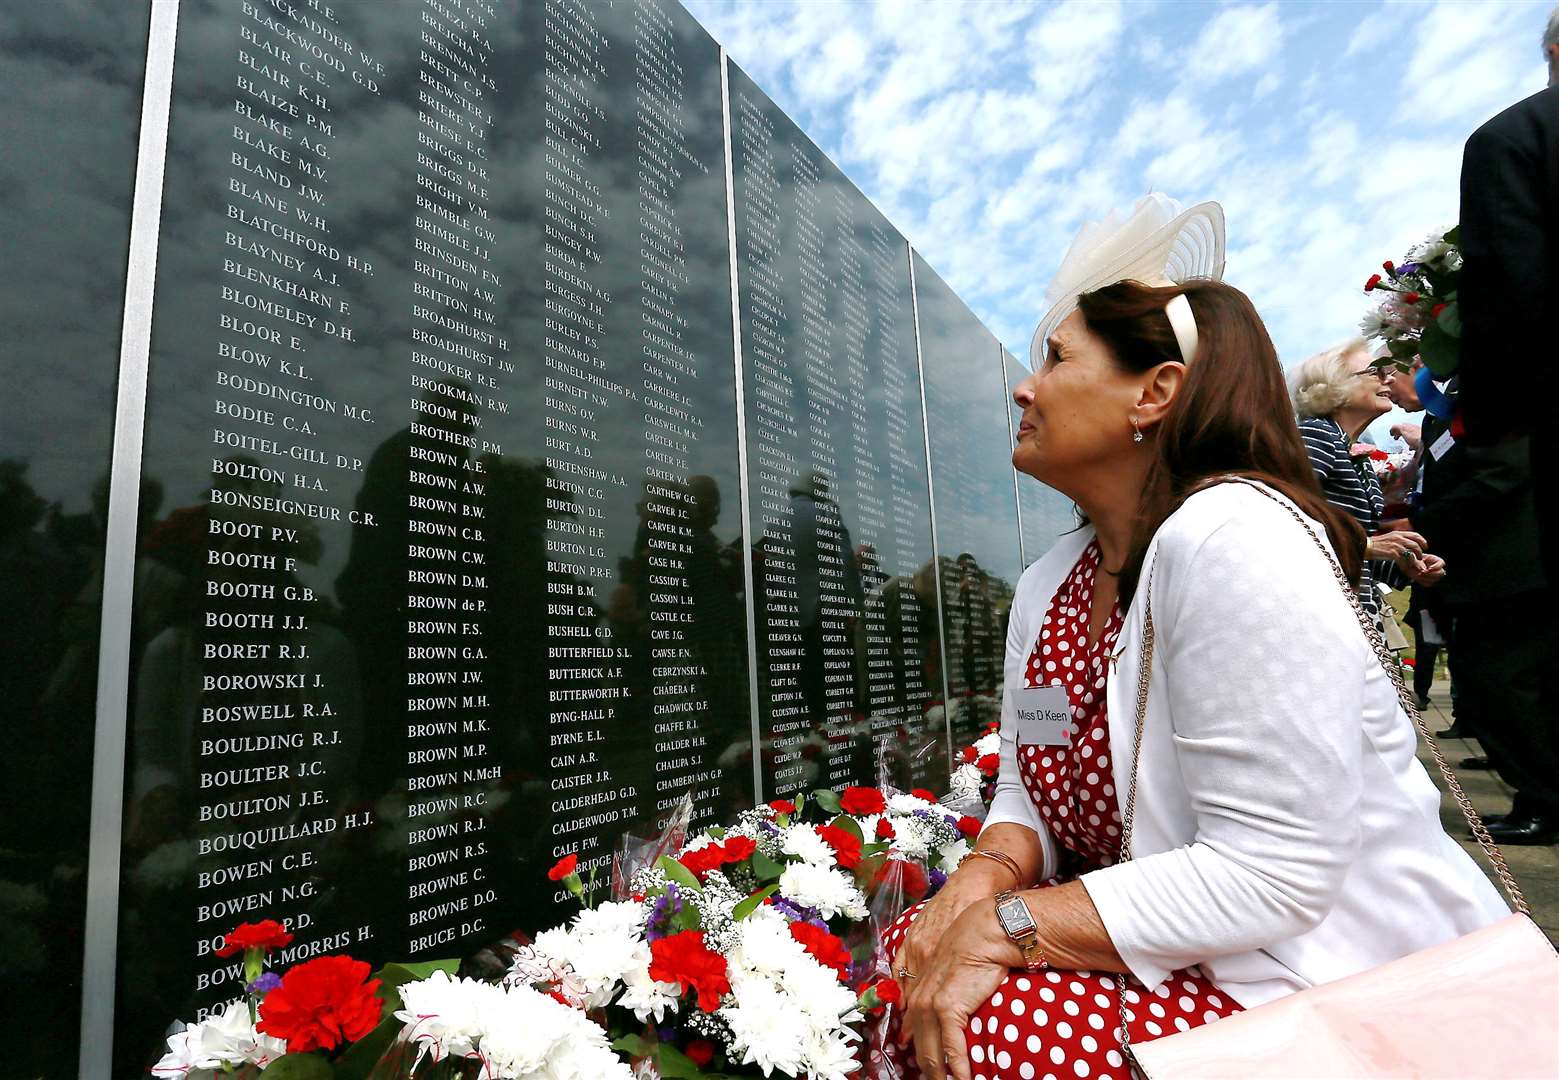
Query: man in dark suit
pixel 1509 286
pixel 1489 486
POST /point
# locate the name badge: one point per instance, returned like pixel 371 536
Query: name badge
pixel 1044 715
pixel 1438 448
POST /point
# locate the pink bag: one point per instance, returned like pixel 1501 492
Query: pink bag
pixel 1483 1005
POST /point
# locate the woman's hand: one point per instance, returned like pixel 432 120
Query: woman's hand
pixel 1402 547
pixel 976 880
pixel 973 959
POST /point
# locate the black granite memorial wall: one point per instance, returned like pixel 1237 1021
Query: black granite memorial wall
pixel 72 93
pixel 447 580
pixel 979 556
pixel 446 560
pixel 840 511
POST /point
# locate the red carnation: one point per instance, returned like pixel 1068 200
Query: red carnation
pixel 885 829
pixel 782 806
pixel 700 862
pixel 1388 267
pixel 265 934
pixel 823 947
pixel 738 848
pixel 923 793
pixel 1408 661
pixel 847 848
pixel 989 764
pixel 1378 454
pixel 912 877
pixel 969 754
pixel 1435 311
pixel 1369 286
pixel 683 959
pixel 862 800
pixel 564 867
pixel 969 826
pixel 701 1052
pixel 1410 297
pixel 322 1004
pixel 889 991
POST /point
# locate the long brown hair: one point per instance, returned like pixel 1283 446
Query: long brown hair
pixel 1232 415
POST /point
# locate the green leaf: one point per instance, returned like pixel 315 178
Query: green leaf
pixel 358 1062
pixel 1442 353
pixel 678 873
pixel 749 905
pixel 1454 236
pixel 299 1067
pixel 717 831
pixel 766 868
pixel 828 800
pixel 876 847
pixel 849 825
pixel 1450 319
pixel 636 1045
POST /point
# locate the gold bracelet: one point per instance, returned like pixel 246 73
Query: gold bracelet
pixel 1002 859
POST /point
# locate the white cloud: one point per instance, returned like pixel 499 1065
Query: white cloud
pixel 988 131
pixel 1235 41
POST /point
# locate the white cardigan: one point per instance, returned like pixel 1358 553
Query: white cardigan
pixel 1285 834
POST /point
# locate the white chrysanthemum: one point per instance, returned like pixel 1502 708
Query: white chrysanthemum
pixel 965 782
pixel 909 838
pixel 830 1056
pixel 953 854
pixel 823 888
pixel 766 1028
pixel 515 1032
pixel 648 998
pixel 989 743
pixel 901 802
pixel 699 842
pixel 802 841
pixel 603 945
pixel 224 1039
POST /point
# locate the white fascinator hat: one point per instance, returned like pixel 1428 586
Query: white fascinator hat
pixel 1157 244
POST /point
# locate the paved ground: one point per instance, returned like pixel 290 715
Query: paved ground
pixel 1536 868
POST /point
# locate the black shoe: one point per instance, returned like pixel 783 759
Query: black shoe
pixel 1524 830
pixel 1491 820
pixel 1455 731
pixel 1423 704
pixel 1474 763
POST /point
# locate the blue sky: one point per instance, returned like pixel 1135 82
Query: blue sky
pixel 988 131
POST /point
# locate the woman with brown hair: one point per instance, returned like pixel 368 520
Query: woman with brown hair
pixel 1282 833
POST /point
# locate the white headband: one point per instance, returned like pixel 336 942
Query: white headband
pixel 1183 322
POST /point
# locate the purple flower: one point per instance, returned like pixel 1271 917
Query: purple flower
pixel 797 913
pixel 264 983
pixel 938 879
pixel 1408 268
pixel 668 905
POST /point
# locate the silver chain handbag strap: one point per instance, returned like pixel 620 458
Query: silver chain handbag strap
pixel 1393 669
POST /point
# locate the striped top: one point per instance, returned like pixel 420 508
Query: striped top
pixel 1349 484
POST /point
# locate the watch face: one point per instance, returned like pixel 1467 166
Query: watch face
pixel 1015 917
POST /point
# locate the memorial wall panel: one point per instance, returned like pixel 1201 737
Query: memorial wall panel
pixel 839 507
pixel 72 91
pixel 979 553
pixel 446 579
pixel 1043 512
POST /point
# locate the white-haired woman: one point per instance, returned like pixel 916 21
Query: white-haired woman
pixel 1337 393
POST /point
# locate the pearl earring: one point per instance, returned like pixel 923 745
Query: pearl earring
pixel 1136 432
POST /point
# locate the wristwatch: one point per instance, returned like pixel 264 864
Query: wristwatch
pixel 1013 914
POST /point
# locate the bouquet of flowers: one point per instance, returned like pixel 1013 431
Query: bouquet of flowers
pixel 753 950
pixel 973 781
pixel 746 950
pixel 327 1019
pixel 1418 314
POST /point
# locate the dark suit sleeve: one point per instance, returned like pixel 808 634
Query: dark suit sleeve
pixel 1488 479
pixel 1506 250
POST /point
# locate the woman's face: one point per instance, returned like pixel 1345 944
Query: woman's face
pixel 1368 393
pixel 1077 408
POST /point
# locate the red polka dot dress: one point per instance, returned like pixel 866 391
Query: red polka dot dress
pixel 1065 1025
